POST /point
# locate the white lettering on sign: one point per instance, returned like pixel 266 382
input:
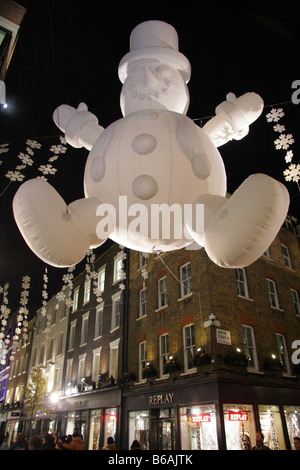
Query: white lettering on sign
pixel 161 399
pixel 238 416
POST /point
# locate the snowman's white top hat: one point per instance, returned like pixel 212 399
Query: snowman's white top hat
pixel 154 40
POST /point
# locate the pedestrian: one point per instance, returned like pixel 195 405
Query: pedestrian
pixel 20 444
pixel 48 442
pixel 135 445
pixel 296 443
pixel 110 444
pixel 260 442
pixel 75 444
pixel 4 445
pixel 35 443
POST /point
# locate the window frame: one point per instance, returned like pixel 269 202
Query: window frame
pixel 162 294
pixel 251 347
pixel 273 295
pixel 187 280
pixel 188 347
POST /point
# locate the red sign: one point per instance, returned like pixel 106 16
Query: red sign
pixel 238 415
pixel 204 418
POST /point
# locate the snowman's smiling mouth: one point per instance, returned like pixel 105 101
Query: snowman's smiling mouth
pixel 149 95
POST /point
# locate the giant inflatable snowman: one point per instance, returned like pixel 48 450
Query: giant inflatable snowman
pixel 149 174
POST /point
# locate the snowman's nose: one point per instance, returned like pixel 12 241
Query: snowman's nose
pixel 149 79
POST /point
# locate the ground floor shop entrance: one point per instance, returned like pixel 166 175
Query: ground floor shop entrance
pixel 210 416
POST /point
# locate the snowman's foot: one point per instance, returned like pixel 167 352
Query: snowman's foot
pixel 53 231
pixel 244 228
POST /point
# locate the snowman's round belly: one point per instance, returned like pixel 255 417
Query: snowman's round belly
pixel 153 158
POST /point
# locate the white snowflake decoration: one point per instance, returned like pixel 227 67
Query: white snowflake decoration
pixel 275 114
pixel 289 156
pixel 284 141
pixel 279 128
pixel 14 176
pixel 292 173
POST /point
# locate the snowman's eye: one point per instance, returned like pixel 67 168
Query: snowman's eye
pixel 163 70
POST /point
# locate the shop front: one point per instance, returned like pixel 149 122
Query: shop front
pixel 95 415
pixel 209 415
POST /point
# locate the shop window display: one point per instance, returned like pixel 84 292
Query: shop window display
pixel 239 427
pixel 139 428
pixel 110 423
pixel 271 427
pixel 198 428
pixel 95 429
pixel 292 417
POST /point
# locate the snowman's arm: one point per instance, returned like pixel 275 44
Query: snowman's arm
pixel 233 118
pixel 80 126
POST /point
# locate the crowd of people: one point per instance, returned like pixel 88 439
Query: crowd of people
pixel 51 442
pixel 75 442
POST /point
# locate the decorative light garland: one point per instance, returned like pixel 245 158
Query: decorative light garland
pixel 283 142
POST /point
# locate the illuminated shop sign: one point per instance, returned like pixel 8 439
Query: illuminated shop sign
pixel 204 418
pixel 238 416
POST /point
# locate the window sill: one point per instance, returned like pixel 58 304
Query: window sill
pixel 245 298
pixel 188 372
pixel 187 296
pixel 161 308
pixel 278 309
pixel 140 318
pixel 97 337
pixel 165 377
pixel 141 382
pixel 116 328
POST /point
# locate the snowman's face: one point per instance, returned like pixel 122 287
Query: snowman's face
pixel 152 84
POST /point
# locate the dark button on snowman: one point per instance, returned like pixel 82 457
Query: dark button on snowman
pixel 154 181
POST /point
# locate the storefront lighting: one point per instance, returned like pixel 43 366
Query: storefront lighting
pixel 54 397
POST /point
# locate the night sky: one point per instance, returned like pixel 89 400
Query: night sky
pixel 68 52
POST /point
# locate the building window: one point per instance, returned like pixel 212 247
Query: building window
pixel 296 302
pixel 96 364
pixel 282 352
pixel 75 299
pixel 101 279
pixel 118 268
pixel 81 369
pixel 249 347
pixel 240 429
pixel 241 280
pixel 87 291
pixel 116 311
pixel 186 280
pixel 72 335
pixel 272 293
pixel 84 329
pixel 42 355
pixel 142 358
pixel 50 349
pixel 142 260
pixel 162 292
pixel 114 359
pixel 286 256
pixel 60 344
pixel 69 373
pixel 143 302
pixel 189 347
pixel 99 320
pixel 163 354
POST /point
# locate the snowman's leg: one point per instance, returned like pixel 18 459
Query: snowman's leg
pixel 243 228
pixel 58 234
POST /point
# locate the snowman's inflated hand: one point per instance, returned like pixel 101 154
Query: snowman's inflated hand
pixel 80 125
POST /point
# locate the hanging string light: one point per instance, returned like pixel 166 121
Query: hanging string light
pixel 284 142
